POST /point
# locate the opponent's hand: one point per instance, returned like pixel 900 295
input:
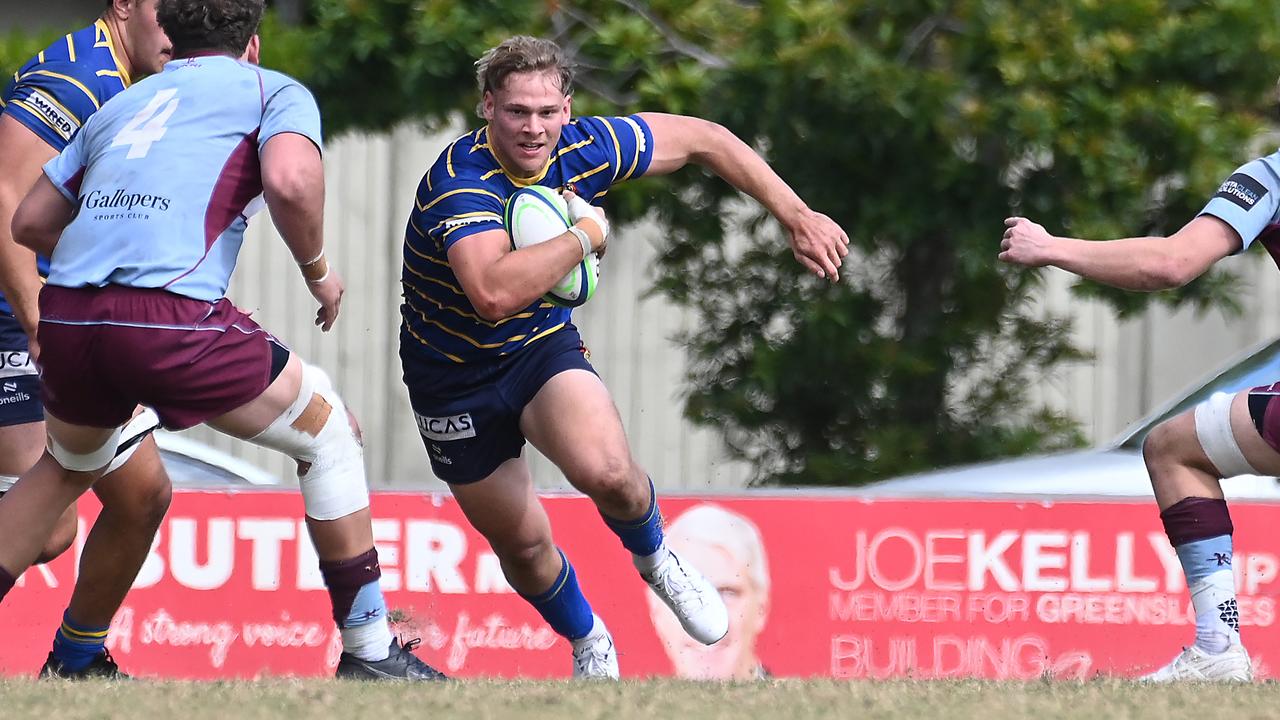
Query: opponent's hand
pixel 590 218
pixel 1025 243
pixel 819 244
pixel 328 292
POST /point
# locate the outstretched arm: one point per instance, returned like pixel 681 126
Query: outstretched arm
pixel 1139 263
pixel 816 240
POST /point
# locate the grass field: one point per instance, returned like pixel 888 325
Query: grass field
pixel 651 700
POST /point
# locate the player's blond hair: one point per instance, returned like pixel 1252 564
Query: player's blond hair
pixel 522 53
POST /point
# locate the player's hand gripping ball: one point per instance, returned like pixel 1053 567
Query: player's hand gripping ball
pixel 536 214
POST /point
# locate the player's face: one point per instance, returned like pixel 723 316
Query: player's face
pixel 149 48
pixel 525 118
pixel 734 657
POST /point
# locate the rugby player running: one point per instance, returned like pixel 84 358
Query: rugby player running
pixel 489 363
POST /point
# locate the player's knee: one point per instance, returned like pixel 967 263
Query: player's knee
pixel 322 437
pixel 153 505
pixel 64 534
pixel 1162 444
pixel 524 555
pixel 613 479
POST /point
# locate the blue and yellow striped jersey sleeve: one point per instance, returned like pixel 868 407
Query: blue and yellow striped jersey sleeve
pixel 53 99
pixel 611 150
pixel 456 210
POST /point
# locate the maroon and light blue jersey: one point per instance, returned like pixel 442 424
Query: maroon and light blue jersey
pixel 1249 201
pixel 166 175
pixel 465 193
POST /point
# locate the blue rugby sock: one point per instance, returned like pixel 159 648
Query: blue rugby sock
pixel 76 645
pixel 563 605
pixel 642 535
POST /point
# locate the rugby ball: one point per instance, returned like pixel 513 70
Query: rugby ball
pixel 536 214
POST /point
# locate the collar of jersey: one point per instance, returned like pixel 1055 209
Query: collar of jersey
pixel 115 57
pixel 515 179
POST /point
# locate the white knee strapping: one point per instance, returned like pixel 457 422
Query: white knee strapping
pixel 1213 428
pixel 132 435
pixel 331 470
pixel 85 462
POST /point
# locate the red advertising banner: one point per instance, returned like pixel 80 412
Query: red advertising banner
pixel 830 586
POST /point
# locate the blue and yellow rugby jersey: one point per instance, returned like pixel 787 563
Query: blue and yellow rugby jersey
pixel 464 193
pixel 56 91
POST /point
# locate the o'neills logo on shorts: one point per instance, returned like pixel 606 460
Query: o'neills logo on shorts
pixel 454 427
pixel 1242 190
pixel 122 199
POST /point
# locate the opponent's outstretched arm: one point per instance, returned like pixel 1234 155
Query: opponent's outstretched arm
pixel 1138 263
pixel 816 240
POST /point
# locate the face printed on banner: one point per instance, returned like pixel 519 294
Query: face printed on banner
pixel 727 548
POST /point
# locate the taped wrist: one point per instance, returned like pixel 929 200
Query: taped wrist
pixel 583 238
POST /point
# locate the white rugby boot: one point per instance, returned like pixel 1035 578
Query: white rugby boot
pixel 1196 665
pixel 594 655
pixel 695 601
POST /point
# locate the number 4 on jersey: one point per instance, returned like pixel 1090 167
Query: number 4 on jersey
pixel 147 126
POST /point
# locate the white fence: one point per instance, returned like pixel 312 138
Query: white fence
pixel 372 179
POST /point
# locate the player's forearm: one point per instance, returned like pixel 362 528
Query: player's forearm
pixel 19 277
pixel 726 155
pixel 1141 263
pixel 297 209
pixel 520 277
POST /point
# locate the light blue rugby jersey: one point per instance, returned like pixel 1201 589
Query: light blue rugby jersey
pixel 165 174
pixel 55 92
pixel 464 193
pixel 1249 201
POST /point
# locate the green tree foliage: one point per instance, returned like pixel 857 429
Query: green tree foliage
pixel 919 126
pixel 17 47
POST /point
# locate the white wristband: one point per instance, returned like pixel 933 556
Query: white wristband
pixel 320 279
pixel 583 238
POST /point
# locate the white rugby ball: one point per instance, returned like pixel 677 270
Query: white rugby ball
pixel 536 214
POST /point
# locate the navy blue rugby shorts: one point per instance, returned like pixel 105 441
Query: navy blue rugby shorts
pixel 19 380
pixel 469 414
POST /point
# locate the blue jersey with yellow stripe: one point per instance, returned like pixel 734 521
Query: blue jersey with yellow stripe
pixel 464 193
pixel 56 91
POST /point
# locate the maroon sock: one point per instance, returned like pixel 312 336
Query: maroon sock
pixel 1196 518
pixel 344 578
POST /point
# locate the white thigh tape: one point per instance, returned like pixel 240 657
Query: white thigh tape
pixel 331 462
pixel 1213 428
pixel 6 482
pixel 135 431
pixel 85 462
